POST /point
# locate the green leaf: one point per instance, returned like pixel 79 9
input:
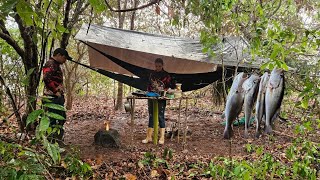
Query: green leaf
pixel 44 123
pixel 270 66
pixel 264 66
pixel 7 6
pixel 26 13
pixel 34 115
pixel 98 5
pixel 237 170
pixel 170 154
pixel 284 66
pixel 165 153
pixel 54 106
pixel 52 149
pixel 49 130
pixel 191 175
pixel 61 29
pixel 246 175
pixel 175 21
pixel 275 51
pixel 25 80
pixel 55 116
pixel 305 102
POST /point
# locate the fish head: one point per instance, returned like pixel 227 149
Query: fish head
pixel 276 77
pixel 237 83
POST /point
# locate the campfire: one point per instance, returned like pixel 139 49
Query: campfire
pixel 107 125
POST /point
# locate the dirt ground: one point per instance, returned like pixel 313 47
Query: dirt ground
pixel 205 141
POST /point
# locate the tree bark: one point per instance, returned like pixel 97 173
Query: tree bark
pixel 119 103
pixel 1 87
pixel 30 61
pixel 121 16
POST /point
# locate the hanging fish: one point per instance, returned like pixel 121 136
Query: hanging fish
pixel 250 87
pixel 260 105
pixel 274 96
pixel 234 103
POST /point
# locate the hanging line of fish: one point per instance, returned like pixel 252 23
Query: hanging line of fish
pixel 266 91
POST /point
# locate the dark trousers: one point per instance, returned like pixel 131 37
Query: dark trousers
pixel 54 122
pixel 161 109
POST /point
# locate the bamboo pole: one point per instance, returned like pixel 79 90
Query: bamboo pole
pixel 132 104
pixel 179 117
pixel 185 124
pixel 155 121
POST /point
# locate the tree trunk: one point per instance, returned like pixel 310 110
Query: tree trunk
pixel 121 17
pixel 69 99
pixel 119 104
pixel 31 93
pixel 72 75
pixel 1 87
pixel 68 89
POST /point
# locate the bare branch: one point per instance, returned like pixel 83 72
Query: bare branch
pixel 13 103
pixel 275 11
pixel 79 9
pixel 152 2
pixel 69 23
pixel 5 35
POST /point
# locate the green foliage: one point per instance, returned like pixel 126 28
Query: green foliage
pixel 300 162
pixel 22 162
pixel 26 12
pixel 98 5
pixel 76 167
pixel 277 38
pixel 153 161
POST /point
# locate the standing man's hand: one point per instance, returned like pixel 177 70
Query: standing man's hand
pixel 58 94
pixel 59 91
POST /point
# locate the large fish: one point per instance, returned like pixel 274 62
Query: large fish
pixel 250 87
pixel 234 103
pixel 260 105
pixel 274 96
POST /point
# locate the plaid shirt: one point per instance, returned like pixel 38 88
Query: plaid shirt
pixel 53 78
pixel 157 79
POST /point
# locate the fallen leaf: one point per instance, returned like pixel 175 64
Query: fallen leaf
pixel 154 173
pixel 63 164
pixel 99 159
pixel 108 176
pixel 130 177
pixel 140 165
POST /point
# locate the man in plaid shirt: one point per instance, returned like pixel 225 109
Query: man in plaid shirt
pixel 53 80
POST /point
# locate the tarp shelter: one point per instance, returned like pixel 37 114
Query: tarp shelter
pixel 125 53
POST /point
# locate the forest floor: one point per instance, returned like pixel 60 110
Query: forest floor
pixel 203 143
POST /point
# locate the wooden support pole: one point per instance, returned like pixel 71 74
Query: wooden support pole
pixel 179 118
pixel 132 104
pixel 155 121
pixel 185 124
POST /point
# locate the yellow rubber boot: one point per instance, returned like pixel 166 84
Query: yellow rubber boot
pixel 149 136
pixel 162 131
